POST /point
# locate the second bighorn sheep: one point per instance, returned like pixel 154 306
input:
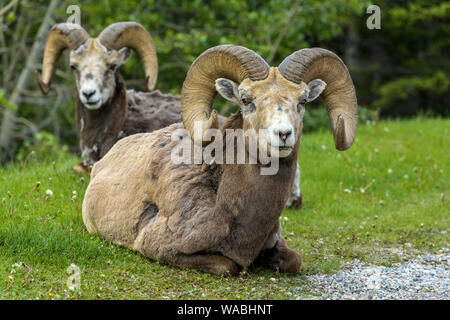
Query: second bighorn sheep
pixel 106 111
pixel 220 218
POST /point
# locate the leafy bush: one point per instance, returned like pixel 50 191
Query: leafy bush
pixel 403 69
pixel 394 95
pixel 316 119
pixel 41 146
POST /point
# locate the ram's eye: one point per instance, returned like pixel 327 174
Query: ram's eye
pixel 245 101
pixel 301 104
pixel 112 67
pixel 73 67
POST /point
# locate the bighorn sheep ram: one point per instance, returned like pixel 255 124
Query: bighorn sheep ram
pixel 219 218
pixel 106 111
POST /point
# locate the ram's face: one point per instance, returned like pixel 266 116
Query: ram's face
pixel 94 67
pixel 273 108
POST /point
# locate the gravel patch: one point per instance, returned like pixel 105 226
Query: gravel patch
pixel 424 277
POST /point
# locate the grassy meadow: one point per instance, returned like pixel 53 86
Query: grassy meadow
pixel 389 191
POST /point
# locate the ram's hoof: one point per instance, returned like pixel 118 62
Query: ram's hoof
pixel 297 203
pixel 291 261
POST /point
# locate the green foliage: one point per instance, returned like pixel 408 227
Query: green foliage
pixel 417 12
pixel 11 17
pixel 403 168
pixel 401 89
pixel 182 30
pixel 316 119
pixel 404 69
pixel 5 103
pixel 41 146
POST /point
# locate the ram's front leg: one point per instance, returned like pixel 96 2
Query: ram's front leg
pixel 157 245
pixel 295 200
pixel 212 263
pixel 186 243
pixel 276 254
pixel 90 155
pixel 281 257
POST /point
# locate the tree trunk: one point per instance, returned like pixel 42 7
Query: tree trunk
pixel 351 47
pixel 8 122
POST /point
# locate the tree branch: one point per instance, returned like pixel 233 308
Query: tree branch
pixel 282 34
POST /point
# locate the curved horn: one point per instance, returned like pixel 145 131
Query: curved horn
pixel 134 36
pixel 61 36
pixel 197 96
pixel 339 95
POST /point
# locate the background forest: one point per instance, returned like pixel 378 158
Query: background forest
pixel 400 70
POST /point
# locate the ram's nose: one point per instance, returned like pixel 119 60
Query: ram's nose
pixel 88 93
pixel 282 133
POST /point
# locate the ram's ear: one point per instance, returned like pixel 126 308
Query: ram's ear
pixel 316 87
pixel 228 89
pixel 124 55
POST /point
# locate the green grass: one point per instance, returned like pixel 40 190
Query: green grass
pixel 403 167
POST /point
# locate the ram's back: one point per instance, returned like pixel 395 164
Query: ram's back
pixel 137 181
pixel 150 111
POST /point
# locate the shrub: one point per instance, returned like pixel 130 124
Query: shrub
pixel 42 146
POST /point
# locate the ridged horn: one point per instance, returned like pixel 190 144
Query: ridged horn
pixel 339 95
pixel 134 36
pixel 60 37
pixel 197 96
